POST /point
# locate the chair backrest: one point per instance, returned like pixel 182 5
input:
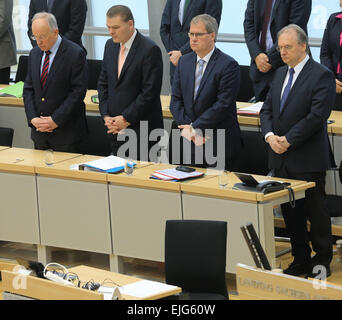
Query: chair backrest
pixel 195 255
pixel 96 142
pixel 6 137
pixel 22 69
pixel 253 157
pixel 94 69
pixel 246 91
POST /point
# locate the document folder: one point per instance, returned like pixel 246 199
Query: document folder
pixel 110 164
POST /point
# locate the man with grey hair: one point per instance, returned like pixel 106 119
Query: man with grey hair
pixel 55 88
pixel 294 122
pixel 203 101
pixel 175 24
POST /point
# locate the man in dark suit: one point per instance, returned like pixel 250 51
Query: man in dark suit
pixel 129 84
pixel 70 14
pixel 55 87
pixel 175 25
pixel 203 101
pixel 263 20
pixel 294 121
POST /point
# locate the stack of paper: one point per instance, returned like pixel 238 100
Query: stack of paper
pixel 110 164
pixel 15 90
pixel 252 110
pixel 173 174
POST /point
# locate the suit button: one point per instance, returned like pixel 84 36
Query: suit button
pixel 43 99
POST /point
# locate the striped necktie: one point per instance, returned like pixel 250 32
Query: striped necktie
pixel 45 69
pixel 198 76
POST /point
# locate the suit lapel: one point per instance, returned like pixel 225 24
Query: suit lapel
pixel 275 6
pixel 36 65
pixel 130 57
pixel 187 13
pixel 207 71
pixel 300 79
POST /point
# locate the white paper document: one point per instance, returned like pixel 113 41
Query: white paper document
pixel 145 288
pixel 253 109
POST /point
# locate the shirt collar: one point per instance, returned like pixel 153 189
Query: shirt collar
pixel 55 47
pixel 129 43
pixel 207 57
pixel 298 68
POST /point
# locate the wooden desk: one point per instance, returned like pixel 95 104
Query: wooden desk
pixel 43 289
pixel 18 193
pixel 206 200
pixel 139 208
pixel 73 208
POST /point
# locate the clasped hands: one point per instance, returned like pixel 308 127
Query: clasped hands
pixel 115 125
pixel 44 124
pixel 262 63
pixel 278 144
pixel 338 86
pixel 189 133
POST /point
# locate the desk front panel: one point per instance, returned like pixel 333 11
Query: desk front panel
pixel 138 220
pixel 19 212
pixel 74 214
pixel 236 213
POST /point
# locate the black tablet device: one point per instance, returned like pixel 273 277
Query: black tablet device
pixel 247 179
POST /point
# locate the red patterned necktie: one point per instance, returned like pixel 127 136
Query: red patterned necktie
pixel 45 69
pixel 266 19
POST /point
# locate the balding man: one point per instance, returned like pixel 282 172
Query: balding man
pixel 55 88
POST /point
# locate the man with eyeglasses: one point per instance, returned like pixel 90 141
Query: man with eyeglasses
pixel 203 102
pixel 294 122
pixel 70 15
pixel 55 87
pixel 175 25
pixel 263 19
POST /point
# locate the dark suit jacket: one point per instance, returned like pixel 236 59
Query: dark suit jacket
pixel 70 16
pixel 173 34
pixel 303 119
pixel 330 49
pixel 63 95
pixel 215 104
pixel 284 12
pixel 136 94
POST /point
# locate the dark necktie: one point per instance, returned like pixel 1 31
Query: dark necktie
pixel 49 5
pixel 266 20
pixel 287 89
pixel 45 69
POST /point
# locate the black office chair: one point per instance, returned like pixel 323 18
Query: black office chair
pixel 22 69
pixel 195 258
pixel 6 136
pixel 246 91
pixel 96 142
pixel 94 69
pixel 253 157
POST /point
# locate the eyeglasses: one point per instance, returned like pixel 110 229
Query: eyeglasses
pixel 287 48
pixel 197 35
pixel 41 38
